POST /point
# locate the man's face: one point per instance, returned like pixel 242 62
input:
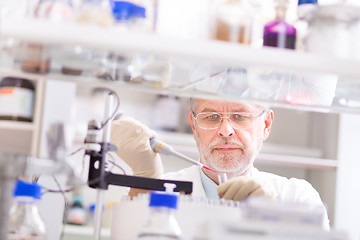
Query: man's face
pixel 227 149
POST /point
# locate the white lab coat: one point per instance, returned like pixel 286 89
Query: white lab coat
pixel 291 190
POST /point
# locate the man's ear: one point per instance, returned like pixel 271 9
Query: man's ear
pixel 268 122
pixel 190 119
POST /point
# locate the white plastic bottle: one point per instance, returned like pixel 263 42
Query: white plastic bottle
pixel 161 224
pixel 25 222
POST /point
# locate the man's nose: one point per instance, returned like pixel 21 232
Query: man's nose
pixel 225 128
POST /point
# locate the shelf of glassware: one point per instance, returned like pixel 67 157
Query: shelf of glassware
pixel 205 51
pixel 23 137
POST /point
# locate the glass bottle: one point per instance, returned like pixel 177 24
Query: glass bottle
pixel 233 20
pixel 17 97
pixel 76 212
pixel 279 33
pixel 25 222
pixel 305 10
pixel 161 224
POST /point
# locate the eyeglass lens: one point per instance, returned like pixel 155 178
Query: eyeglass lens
pixel 213 120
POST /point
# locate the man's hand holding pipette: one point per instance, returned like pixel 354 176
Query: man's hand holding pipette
pixel 131 138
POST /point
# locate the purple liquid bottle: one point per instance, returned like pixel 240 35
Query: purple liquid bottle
pixel 279 33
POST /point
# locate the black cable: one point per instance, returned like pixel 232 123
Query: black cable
pixel 117 105
pixel 76 151
pixel 65 207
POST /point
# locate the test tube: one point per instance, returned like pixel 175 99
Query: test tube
pixel 222 177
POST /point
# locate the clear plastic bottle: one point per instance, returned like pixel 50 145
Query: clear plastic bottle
pixel 305 10
pixel 279 33
pixel 161 224
pixel 25 222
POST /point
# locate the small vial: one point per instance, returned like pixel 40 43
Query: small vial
pixel 222 177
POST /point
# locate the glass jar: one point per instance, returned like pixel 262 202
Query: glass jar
pixel 233 21
pixel 329 30
pixel 16 99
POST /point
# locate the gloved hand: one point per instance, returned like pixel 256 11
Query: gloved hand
pixel 131 137
pixel 241 187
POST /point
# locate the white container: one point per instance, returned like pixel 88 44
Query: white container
pixel 329 30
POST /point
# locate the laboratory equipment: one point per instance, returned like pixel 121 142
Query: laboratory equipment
pixel 200 218
pixel 99 178
pixel 16 99
pixel 163 148
pixel 279 33
pixel 222 177
pixel 22 165
pixel 25 219
pixel 162 223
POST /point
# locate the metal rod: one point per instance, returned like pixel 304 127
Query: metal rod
pixel 101 192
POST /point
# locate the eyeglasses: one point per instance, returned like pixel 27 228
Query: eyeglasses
pixel 212 120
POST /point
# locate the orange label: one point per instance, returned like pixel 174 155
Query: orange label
pixel 6 90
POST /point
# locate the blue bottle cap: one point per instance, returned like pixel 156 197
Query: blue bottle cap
pixel 161 199
pixel 122 10
pixel 138 11
pixel 27 189
pixel 92 208
pixel 307 2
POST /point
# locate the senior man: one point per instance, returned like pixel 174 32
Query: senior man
pixel 229 136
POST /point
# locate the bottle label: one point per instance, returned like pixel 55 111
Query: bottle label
pixel 15 101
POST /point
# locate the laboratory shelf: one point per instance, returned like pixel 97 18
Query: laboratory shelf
pixel 205 51
pixel 216 53
pixel 72 232
pixel 16 126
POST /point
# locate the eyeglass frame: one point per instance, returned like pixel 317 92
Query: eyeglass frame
pixel 228 117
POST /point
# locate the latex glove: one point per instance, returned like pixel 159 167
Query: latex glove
pixel 239 188
pixel 131 137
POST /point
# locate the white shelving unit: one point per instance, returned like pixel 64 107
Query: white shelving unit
pixel 216 52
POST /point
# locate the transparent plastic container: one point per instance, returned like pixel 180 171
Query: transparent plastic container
pixel 25 222
pixel 161 224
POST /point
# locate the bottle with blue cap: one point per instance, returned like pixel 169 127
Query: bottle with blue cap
pixel 25 222
pixel 162 224
pixel 305 10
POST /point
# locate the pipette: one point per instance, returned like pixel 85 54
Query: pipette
pixel 163 148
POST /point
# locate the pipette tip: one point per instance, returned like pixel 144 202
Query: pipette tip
pixel 209 169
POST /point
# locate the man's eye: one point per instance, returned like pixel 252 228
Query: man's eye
pixel 239 117
pixel 212 117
